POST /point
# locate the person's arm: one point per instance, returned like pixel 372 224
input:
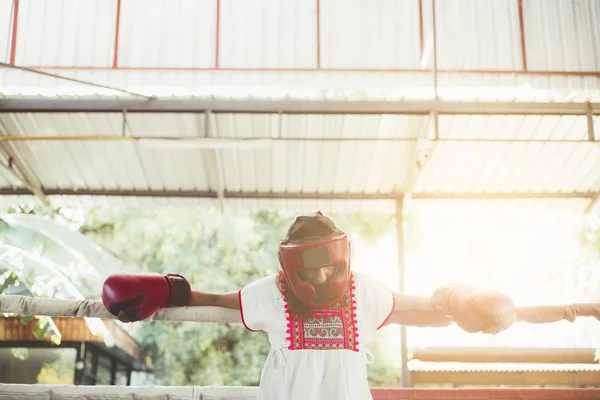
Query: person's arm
pixel 473 309
pixel 410 310
pixel 227 300
pixel 198 298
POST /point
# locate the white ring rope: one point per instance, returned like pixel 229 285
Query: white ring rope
pixel 23 305
pixel 62 392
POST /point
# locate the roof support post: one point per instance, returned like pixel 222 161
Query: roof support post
pixel 216 161
pixel 404 371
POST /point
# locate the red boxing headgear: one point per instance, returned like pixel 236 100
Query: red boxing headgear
pixel 316 252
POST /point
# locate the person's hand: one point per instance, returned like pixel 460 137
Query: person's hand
pixel 475 309
pixel 122 317
pixel 139 295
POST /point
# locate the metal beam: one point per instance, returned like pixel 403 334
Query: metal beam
pixel 404 371
pixel 214 141
pixel 363 71
pixel 30 182
pixel 590 122
pixel 593 204
pixel 51 105
pixel 8 167
pixel 217 163
pixel 299 195
pixel 435 60
pixel 424 156
pixel 66 78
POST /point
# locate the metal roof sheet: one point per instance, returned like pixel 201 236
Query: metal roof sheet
pixel 474 35
pixel 362 34
pixel 65 33
pixel 311 154
pixel 333 50
pixel 512 167
pixel 260 37
pixel 267 34
pixel 562 35
pixel 174 33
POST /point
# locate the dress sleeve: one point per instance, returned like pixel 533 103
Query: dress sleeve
pixel 254 303
pixel 376 301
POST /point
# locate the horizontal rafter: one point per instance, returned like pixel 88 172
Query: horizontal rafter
pixel 229 70
pixel 295 107
pixel 256 141
pixel 300 195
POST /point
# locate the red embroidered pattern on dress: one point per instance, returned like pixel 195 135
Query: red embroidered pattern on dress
pixel 335 328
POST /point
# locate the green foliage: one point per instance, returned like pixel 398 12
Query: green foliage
pixel 50 245
pixel 43 327
pixel 42 255
pixel 370 227
pixel 384 371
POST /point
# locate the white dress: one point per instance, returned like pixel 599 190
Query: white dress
pixel 323 358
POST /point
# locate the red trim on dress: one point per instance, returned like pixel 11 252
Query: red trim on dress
pixel 353 305
pixel 385 321
pixel 288 317
pixel 242 311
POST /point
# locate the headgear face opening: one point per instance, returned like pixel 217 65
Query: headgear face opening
pixel 313 252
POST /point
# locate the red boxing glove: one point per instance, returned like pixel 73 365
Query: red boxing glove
pixel 474 309
pixel 140 295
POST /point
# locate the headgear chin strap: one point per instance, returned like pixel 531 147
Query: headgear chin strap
pixel 301 255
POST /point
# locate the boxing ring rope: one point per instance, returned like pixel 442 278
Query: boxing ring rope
pixel 63 392
pixel 23 305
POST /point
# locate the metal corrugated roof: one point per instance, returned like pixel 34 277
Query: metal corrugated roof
pixel 175 33
pixel 107 164
pixel 65 33
pixel 326 50
pixel 362 34
pixel 282 167
pixel 337 166
pixel 5 34
pixel 300 85
pixel 385 39
pixel 267 34
pixel 475 34
pixel 562 35
pixel 272 34
pixel 512 167
pixel 518 127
